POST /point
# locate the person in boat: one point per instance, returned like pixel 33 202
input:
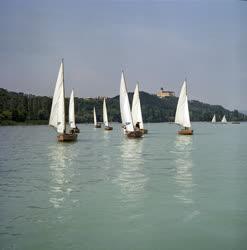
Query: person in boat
pixel 138 125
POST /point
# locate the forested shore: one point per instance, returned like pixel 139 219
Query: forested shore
pixel 20 108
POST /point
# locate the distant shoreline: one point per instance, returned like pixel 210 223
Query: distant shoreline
pixel 41 122
pixel 25 109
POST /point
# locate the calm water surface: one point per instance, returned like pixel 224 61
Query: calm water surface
pixel 107 192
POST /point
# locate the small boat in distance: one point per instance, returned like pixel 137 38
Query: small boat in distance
pixel 105 117
pixel 182 113
pixel 126 115
pixel 96 124
pixel 235 122
pixel 224 121
pixel 137 111
pixel 57 115
pixel 214 119
pixel 72 124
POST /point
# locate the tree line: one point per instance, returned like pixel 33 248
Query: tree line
pixel 25 108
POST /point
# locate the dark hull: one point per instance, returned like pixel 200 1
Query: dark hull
pixel 67 137
pixel 75 130
pixel 108 128
pixel 185 132
pixel 134 134
pixel 144 131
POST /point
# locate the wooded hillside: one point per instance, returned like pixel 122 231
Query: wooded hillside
pixel 26 108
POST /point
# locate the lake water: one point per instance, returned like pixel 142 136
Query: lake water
pixel 105 191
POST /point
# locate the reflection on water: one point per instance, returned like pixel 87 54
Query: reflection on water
pixel 131 178
pixel 60 159
pixel 183 164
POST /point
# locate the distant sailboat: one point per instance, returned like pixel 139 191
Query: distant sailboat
pixel 224 121
pixel 72 124
pixel 126 115
pixel 214 119
pixel 182 113
pixel 96 124
pixel 105 117
pixel 137 112
pixel 57 115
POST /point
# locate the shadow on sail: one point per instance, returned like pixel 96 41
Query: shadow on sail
pixel 183 165
pixel 60 158
pixel 131 177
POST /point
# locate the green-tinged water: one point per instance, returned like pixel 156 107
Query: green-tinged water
pixel 105 191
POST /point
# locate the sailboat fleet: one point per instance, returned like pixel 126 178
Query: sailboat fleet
pixel 132 120
pixel 223 120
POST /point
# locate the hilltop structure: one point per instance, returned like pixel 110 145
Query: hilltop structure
pixel 164 93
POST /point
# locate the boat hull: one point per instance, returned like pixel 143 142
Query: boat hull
pixel 108 128
pixel 75 130
pixel 67 137
pixel 185 132
pixel 134 134
pixel 144 131
pixel 98 125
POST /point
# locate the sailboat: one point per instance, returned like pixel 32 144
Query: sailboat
pixel 126 115
pixel 57 115
pixel 182 113
pixel 214 119
pixel 105 117
pixel 224 121
pixel 137 111
pixel 72 124
pixel 96 124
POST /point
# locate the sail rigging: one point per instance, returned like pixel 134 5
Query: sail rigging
pixel 224 119
pixel 125 106
pixel 72 110
pixel 94 117
pixel 214 119
pixel 182 113
pixel 57 115
pixel 136 108
pixel 105 117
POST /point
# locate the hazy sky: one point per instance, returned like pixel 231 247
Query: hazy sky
pixel 157 43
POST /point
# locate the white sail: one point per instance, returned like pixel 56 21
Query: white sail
pixel 136 108
pixel 57 115
pixel 214 119
pixel 125 106
pixel 72 110
pixel 182 113
pixel 94 117
pixel 105 117
pixel 224 120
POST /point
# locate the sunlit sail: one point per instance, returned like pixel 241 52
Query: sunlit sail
pixel 137 111
pixel 57 115
pixel 182 113
pixel 96 124
pixel 105 116
pixel 126 115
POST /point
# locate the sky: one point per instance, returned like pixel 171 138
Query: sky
pixel 157 43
